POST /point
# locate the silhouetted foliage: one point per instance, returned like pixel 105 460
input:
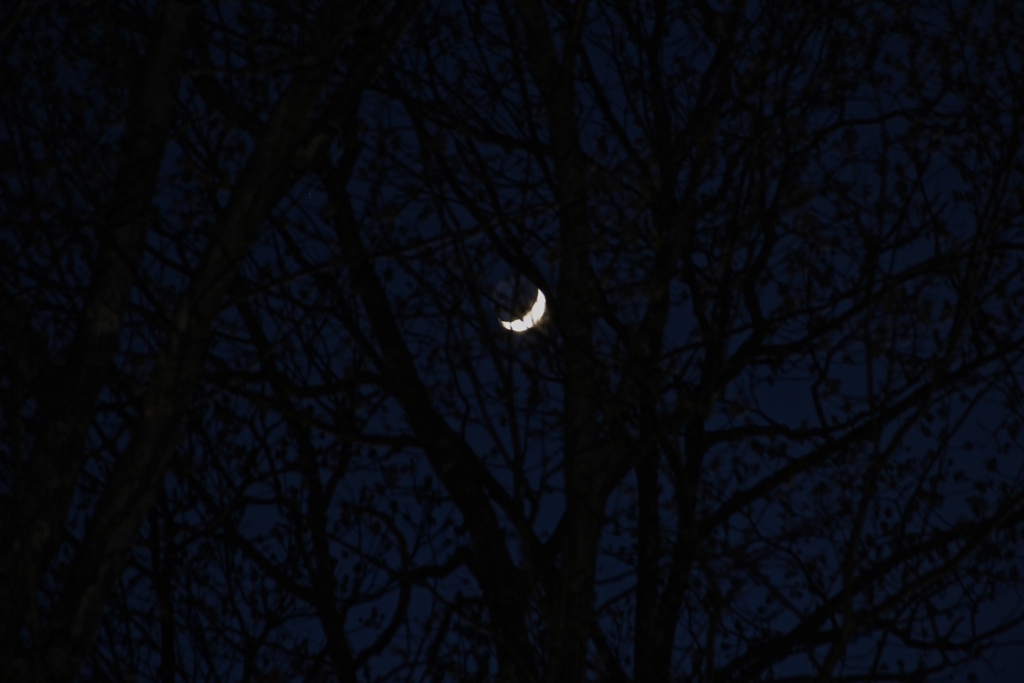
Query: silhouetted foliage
pixel 260 422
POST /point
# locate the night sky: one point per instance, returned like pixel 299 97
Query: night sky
pixel 415 211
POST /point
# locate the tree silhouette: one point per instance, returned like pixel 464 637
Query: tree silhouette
pixel 261 422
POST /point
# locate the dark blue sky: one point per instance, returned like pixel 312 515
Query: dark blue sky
pixel 501 390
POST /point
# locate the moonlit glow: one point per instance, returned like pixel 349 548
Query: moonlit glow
pixel 530 319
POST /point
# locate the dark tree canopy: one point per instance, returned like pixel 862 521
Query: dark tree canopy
pixel 260 421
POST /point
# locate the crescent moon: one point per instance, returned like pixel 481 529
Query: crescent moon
pixel 530 319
